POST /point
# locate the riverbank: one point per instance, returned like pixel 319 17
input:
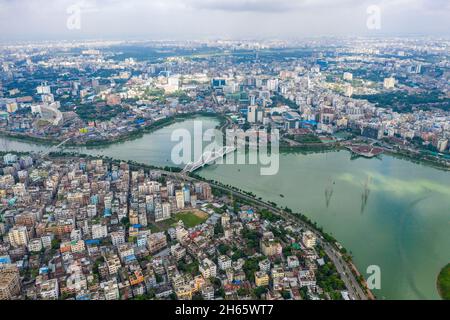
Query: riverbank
pixel 398 199
pixel 224 120
pixel 312 148
pixel 338 253
pixel 395 227
pixel 418 160
pixel 159 124
pixel 150 128
pixel 25 138
pixel 443 283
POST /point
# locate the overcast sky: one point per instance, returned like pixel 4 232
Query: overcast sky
pixel 203 19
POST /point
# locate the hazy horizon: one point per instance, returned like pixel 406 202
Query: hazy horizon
pixel 34 20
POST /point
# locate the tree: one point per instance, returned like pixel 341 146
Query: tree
pixel 55 244
pixel 258 291
pixel 125 221
pixel 304 293
pixel 197 296
pixel 223 248
pixel 221 292
pixel 218 229
pixel 250 267
pixel 237 254
pixel 285 294
pixel 242 291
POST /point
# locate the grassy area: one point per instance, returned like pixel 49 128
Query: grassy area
pixel 189 218
pixel 91 112
pixel 307 138
pixel 443 282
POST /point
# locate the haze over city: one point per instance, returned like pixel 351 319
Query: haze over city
pixel 204 19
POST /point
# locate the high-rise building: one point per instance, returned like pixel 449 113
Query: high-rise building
pixel 99 231
pixel 170 188
pixel 117 238
pixel 166 210
pixel 49 289
pixel 225 219
pixel 143 219
pixel 206 191
pixel 309 239
pixel 11 107
pixel 193 200
pixel 208 268
pixel 18 236
pixel 156 242
pixel 9 282
pixel 272 84
pixel 162 212
pixel 349 91
pixel 187 194
pixel 389 83
pixel 179 196
pixel 442 145
pixel 252 114
pixel 44 88
pixel 158 212
pixel 348 76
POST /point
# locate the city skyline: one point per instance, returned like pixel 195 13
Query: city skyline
pixel 229 151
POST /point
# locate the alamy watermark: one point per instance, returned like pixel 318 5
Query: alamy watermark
pixel 74 20
pixel 374 17
pixel 212 147
pixel 76 10
pixel 374 280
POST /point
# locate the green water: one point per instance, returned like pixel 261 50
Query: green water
pixel 404 227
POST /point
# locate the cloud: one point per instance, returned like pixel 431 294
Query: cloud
pixel 266 6
pixel 396 186
pixel 180 19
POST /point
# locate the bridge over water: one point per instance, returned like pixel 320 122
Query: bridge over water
pixel 207 158
pixel 54 148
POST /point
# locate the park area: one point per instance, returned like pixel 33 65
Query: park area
pixel 190 218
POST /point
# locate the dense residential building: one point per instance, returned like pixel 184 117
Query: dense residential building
pixel 9 282
pixel 88 228
pixel 110 254
pixel 18 236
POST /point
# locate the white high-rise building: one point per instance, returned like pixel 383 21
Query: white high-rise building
pixel 208 268
pixel 110 289
pixel 99 231
pixel 170 188
pixel 252 115
pixel 442 145
pixel 43 89
pixel 162 212
pixel 389 83
pixel 224 262
pixel 18 236
pixel 272 84
pixel 11 107
pixel 49 289
pixel 309 239
pixel 349 91
pixel 179 195
pixel 166 210
pixel 118 238
pixel 348 76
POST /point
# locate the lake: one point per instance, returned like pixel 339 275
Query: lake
pixel 388 212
